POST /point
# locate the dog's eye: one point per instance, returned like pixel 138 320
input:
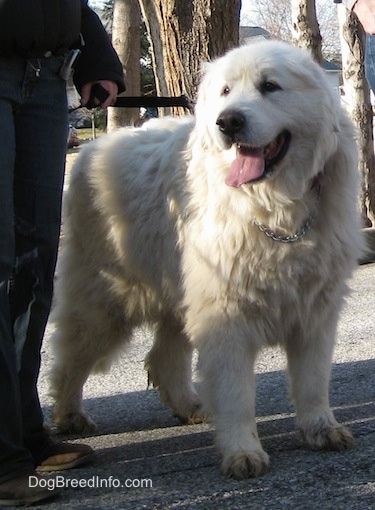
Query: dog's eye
pixel 225 91
pixel 269 86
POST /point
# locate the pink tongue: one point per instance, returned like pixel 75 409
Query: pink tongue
pixel 246 168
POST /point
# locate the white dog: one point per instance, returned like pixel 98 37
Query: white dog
pixel 231 231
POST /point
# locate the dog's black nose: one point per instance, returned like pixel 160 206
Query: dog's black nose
pixel 230 122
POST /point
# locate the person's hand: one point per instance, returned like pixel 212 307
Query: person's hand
pixel 365 11
pixel 109 86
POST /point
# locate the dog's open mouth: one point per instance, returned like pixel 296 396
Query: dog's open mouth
pixel 253 164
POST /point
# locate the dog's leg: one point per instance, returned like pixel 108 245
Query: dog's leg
pixel 309 362
pixel 67 379
pixel 169 364
pixel 226 365
pixel 81 347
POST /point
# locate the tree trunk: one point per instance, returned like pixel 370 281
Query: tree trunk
pixel 357 98
pixel 305 28
pixel 183 35
pixel 126 40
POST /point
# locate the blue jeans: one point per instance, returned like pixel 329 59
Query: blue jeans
pixel 370 61
pixel 33 133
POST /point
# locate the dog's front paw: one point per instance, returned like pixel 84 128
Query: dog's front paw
pixel 336 438
pixel 74 423
pixel 243 465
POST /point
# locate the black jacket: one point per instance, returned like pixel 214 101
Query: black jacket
pixel 30 28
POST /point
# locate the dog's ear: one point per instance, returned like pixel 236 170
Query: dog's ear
pixel 204 113
pixel 306 68
pixel 204 79
pixel 342 171
pixel 343 163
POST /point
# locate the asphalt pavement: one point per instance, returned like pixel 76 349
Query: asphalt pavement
pixel 146 460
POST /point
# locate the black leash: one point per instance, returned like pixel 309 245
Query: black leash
pixel 137 101
pixel 154 101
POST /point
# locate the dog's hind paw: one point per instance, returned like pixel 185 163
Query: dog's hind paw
pixel 194 417
pixel 245 465
pixel 74 423
pixel 335 438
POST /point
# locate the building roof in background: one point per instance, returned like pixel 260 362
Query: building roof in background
pixel 249 34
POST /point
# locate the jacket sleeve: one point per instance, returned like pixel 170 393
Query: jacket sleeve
pixel 98 59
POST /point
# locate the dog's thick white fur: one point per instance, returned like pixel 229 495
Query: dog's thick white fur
pixel 162 225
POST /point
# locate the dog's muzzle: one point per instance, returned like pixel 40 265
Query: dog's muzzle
pixel 252 163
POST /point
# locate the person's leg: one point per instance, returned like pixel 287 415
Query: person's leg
pixel 16 462
pixel 33 132
pixel 41 128
pixel 14 458
pixel 370 61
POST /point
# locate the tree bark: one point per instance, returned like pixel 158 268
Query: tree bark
pixel 126 40
pixel 305 28
pixel 185 34
pixel 357 98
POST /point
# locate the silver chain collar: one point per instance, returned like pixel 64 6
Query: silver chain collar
pixel 292 238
